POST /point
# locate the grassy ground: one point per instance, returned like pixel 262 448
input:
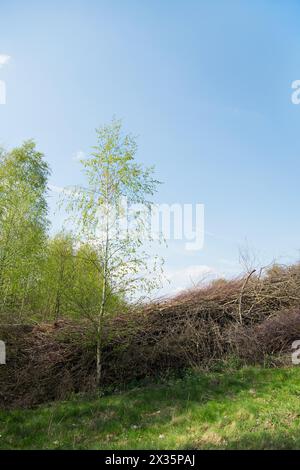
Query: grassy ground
pixel 252 408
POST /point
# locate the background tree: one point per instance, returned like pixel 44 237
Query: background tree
pixel 70 282
pixel 23 224
pixel 56 279
pixel 85 295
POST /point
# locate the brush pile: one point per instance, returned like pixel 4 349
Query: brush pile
pixel 254 317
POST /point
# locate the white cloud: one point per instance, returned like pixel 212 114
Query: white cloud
pixel 193 271
pixel 80 155
pixel 189 276
pixel 60 189
pixel 4 59
pixel 56 189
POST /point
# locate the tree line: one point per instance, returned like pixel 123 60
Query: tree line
pixel 92 269
pixel 41 277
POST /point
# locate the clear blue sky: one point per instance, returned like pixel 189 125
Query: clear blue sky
pixel 205 84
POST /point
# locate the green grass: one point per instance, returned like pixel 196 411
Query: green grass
pixel 252 408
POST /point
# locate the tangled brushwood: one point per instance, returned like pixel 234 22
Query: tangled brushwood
pixel 254 318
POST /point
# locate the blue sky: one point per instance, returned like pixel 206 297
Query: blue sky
pixel 206 85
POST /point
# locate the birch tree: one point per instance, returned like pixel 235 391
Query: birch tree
pixel 111 214
pixel 23 223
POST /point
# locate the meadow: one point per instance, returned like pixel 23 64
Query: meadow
pixel 249 408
